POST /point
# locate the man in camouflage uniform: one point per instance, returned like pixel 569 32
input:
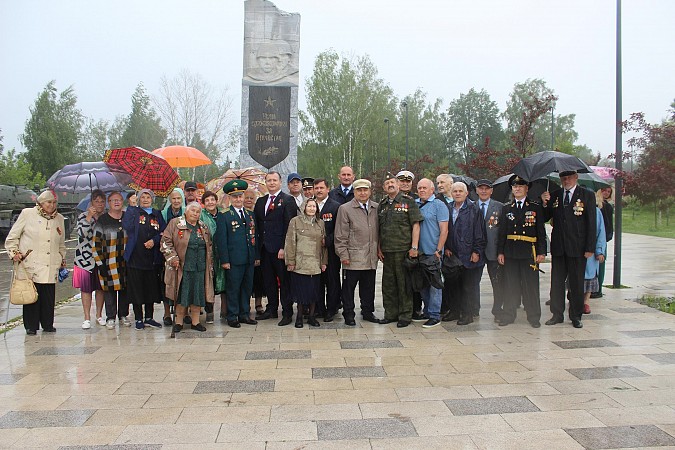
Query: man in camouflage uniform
pixel 399 220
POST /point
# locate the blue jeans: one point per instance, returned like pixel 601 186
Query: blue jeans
pixel 432 299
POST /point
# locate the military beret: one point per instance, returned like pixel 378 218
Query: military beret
pixel 236 186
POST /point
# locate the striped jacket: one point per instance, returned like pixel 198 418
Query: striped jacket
pixel 85 237
pixel 110 240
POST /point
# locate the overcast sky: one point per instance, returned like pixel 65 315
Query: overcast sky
pixel 104 48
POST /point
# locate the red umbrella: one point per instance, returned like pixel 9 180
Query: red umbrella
pixel 147 171
pixel 182 156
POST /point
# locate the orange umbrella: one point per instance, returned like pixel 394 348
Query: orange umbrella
pixel 182 156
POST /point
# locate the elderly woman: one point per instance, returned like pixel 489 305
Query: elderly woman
pixel 173 208
pixel 187 247
pixel 209 216
pixel 38 239
pixel 306 257
pixel 85 277
pixel 144 226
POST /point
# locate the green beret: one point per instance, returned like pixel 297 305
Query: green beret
pixel 235 186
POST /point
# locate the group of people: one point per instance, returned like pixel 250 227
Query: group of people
pixel 313 245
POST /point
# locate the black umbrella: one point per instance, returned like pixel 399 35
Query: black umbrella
pixel 541 164
pixel 470 184
pixel 502 191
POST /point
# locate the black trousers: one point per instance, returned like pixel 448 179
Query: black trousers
pixel 521 283
pixel 111 304
pixel 329 294
pixel 493 270
pixel 366 281
pixel 417 302
pixel 571 270
pixel 470 291
pixel 274 268
pixel 42 311
pixel 451 297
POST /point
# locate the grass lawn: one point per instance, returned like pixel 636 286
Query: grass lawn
pixel 640 220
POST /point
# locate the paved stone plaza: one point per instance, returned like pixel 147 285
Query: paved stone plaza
pixel 608 385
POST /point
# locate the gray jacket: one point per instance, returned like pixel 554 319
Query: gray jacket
pixel 492 220
pixel 356 235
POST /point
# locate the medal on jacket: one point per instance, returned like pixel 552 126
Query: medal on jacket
pixel 494 220
pixel 578 207
pixel 510 216
pixel 530 218
pixel 555 203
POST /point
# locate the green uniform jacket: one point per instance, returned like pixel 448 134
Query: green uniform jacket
pixel 396 221
pixel 235 238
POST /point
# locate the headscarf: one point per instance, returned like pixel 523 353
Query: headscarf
pixel 43 197
pixel 303 205
pixel 167 206
pixel 151 194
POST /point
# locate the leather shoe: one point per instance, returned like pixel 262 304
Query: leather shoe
pixel 285 321
pixel 505 322
pixel 576 323
pixel 350 322
pixel 553 321
pixel 268 315
pixel 402 323
pixel 31 332
pixel 311 320
pixel 371 318
pixel 198 327
pixel 535 324
pixel 234 323
pixel 450 317
pixel 248 321
pixel 49 330
pixel 386 321
pixel 465 320
pixel 328 318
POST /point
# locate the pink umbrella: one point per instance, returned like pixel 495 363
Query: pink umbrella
pixel 606 173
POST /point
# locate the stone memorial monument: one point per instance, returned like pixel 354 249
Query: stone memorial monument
pixel 269 96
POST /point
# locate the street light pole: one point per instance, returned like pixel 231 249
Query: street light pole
pixel 552 128
pixel 618 186
pixel 386 120
pixel 405 105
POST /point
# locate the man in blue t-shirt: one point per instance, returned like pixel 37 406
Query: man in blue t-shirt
pixel 433 233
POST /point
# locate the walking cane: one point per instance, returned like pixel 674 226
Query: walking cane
pixel 173 304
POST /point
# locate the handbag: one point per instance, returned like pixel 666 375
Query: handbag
pixel 22 292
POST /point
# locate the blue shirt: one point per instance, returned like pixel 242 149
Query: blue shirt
pixel 480 206
pixel 434 212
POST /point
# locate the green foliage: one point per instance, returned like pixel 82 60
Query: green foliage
pixel 15 169
pixel 646 220
pixel 665 304
pixel 52 133
pixel 142 127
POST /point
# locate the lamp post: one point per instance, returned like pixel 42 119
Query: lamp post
pixel 386 120
pixel 552 129
pixel 405 105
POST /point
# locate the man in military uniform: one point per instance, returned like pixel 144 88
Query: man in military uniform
pixel 399 220
pixel 572 209
pixel 521 247
pixel 406 178
pixel 237 254
pixel 307 188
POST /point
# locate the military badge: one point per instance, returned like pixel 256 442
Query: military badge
pixel 327 217
pixel 154 224
pixel 510 216
pixel 578 207
pixel 235 224
pixel 530 218
pixel 555 203
pixel 494 220
pixel 142 220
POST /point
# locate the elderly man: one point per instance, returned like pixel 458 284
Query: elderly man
pixel 399 224
pixel 467 242
pixel 572 209
pixel 521 248
pixel 344 193
pixel 356 245
pixel 272 214
pixel 443 186
pixel 406 178
pixel 330 279
pixel 294 182
pixel 433 233
pixel 491 212
pixel 190 190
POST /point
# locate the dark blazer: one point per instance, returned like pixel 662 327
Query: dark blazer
pixel 513 221
pixel 574 226
pixel 339 196
pixel 491 223
pixel 235 238
pixel 271 228
pixel 329 215
pixel 468 234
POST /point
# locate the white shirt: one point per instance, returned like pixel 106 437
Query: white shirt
pixel 321 203
pixel 571 193
pixel 299 199
pixel 269 200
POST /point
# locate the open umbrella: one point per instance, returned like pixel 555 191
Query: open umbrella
pixel 182 156
pixel 541 164
pixel 87 176
pixel 502 190
pixel 606 173
pixel 253 176
pixel 589 180
pixel 147 171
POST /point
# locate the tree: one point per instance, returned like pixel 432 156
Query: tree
pixel 142 127
pixel 15 170
pixel 469 120
pixel 196 114
pixel 52 133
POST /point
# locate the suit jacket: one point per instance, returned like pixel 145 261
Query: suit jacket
pixel 526 221
pixel 339 196
pixel 271 227
pixel 235 238
pixel 574 226
pixel 329 215
pixel 492 219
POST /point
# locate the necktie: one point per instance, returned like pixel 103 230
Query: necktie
pixel 567 198
pixel 482 209
pixel 241 214
pixel 346 191
pixel 271 207
pixel 365 208
pixel 520 203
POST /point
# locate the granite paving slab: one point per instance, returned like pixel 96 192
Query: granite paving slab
pixel 11 378
pixel 586 343
pixel 79 331
pixel 189 334
pixel 634 310
pixel 370 344
pixel 621 437
pixel 114 447
pixel 596 373
pixel 57 351
pixel 493 405
pixel 279 354
pixel 595 317
pixel 43 419
pixel 663 358
pixel 475 326
pixel 217 387
pixel 364 429
pixel 348 372
pixel 337 326
pixel 649 333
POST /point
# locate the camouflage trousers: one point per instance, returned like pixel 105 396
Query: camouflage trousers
pixel 396 297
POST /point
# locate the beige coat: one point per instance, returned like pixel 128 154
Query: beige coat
pixel 46 239
pixel 174 246
pixel 305 247
pixel 356 235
